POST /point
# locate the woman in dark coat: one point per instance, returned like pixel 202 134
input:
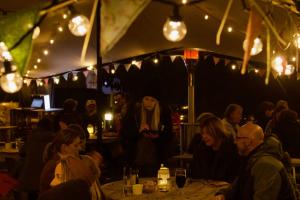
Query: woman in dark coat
pixel 154 133
pixel 216 156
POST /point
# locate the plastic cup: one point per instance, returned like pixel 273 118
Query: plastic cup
pixel 137 189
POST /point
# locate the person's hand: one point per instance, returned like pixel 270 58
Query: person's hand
pixel 144 127
pixel 219 197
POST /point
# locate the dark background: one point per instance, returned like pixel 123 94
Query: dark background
pixel 216 85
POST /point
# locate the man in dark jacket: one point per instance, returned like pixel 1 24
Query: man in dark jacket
pixel 263 175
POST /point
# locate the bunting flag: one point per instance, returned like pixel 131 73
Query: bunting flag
pixel 116 66
pixel 138 64
pixel 116 17
pixel 216 60
pixel 253 29
pixel 127 67
pixel 14 25
pixel 106 68
pixel 91 80
pixel 85 73
pixel 173 57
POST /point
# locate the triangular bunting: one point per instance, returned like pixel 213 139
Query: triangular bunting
pixel 127 66
pixel 106 68
pixel 85 73
pixel 46 81
pixel 216 60
pixel 138 64
pixel 173 57
pixel 116 65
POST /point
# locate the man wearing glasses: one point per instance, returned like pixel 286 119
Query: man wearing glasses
pixel 262 175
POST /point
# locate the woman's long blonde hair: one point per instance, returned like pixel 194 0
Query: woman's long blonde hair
pixel 155 116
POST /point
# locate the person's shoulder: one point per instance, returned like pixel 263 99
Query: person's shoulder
pixel 268 163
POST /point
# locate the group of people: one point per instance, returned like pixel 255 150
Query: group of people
pixel 253 157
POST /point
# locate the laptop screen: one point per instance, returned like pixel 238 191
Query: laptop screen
pixel 37 103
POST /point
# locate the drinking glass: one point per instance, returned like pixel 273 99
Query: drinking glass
pixel 180 175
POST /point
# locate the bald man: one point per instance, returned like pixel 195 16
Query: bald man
pixel 263 176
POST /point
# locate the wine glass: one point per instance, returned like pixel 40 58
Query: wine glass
pixel 180 175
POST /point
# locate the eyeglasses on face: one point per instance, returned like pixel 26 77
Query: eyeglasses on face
pixel 241 137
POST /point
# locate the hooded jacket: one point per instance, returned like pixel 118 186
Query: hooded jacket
pixel 263 175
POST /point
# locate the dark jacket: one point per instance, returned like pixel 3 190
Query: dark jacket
pixel 216 165
pixel 73 189
pixel 34 148
pixel 263 176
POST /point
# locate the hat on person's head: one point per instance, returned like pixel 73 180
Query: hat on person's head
pixel 91 102
pixel 152 89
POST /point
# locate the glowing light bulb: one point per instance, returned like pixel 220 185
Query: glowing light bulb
pixel 256 71
pixel 233 66
pixel 75 78
pixel 51 41
pixel 174 31
pixel 256 48
pixel 60 28
pixel 35 66
pixel 46 52
pixel 184 1
pixel 289 69
pixel 206 17
pixel 90 68
pixel 229 29
pixel 11 82
pixel 38 60
pixel 79 25
pixel 278 64
pixel 155 60
pixel 108 116
pixel 113 71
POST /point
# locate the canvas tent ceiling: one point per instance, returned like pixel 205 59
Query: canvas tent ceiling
pixel 145 34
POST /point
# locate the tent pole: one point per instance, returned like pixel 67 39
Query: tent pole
pixel 98 46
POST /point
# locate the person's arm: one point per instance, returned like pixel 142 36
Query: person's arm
pixel 266 179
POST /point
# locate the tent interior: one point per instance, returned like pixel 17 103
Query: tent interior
pixel 142 37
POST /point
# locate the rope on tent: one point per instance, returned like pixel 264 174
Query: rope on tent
pixel 268 23
pixel 268 56
pixel 221 27
pixel 58 6
pixel 88 34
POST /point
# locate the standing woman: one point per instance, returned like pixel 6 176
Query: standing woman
pixel 154 134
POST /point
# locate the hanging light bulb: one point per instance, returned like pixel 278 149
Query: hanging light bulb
pixel 4 53
pixel 256 48
pixel 79 25
pixel 278 64
pixel 10 81
pixel 296 40
pixel 174 28
pixel 289 70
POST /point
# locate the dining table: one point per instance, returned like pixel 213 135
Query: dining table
pixel 199 189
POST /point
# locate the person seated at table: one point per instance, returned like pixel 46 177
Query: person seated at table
pixel 154 131
pixel 263 175
pixel 68 164
pixel 232 118
pixel 216 156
